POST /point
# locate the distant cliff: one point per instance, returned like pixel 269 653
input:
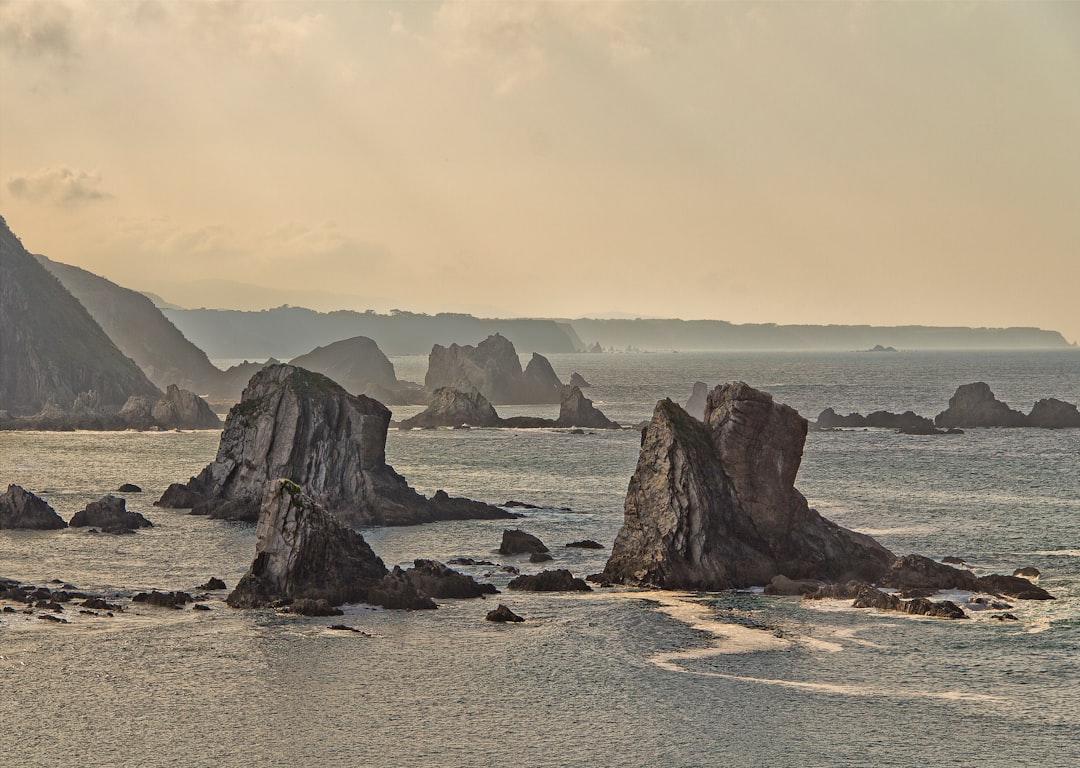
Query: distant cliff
pixel 51 350
pixel 286 332
pixel 720 335
pixel 140 330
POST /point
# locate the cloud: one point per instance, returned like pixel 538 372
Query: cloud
pixel 59 186
pixel 38 29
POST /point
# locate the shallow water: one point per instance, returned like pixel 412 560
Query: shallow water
pixel 606 678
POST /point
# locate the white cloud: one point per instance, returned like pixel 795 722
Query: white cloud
pixel 60 186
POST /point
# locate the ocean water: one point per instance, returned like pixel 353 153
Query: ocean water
pixel 608 678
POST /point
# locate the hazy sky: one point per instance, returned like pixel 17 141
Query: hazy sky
pixel 885 163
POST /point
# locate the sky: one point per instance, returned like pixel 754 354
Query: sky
pixel 881 163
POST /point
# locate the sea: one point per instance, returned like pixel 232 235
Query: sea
pixel 614 677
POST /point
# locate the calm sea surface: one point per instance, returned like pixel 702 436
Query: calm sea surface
pixel 611 678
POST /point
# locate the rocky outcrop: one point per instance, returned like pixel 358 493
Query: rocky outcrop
pixel 503 614
pixel 302 426
pixel 21 509
pixel 397 591
pixel 560 580
pixel 517 542
pixel 452 408
pixel 576 410
pixel 868 597
pixel 110 514
pixel 908 422
pixel 435 580
pixel 577 380
pixel 51 349
pixel 918 572
pixel 358 365
pixel 492 368
pixel 713 505
pixel 974 405
pixel 1052 413
pixel 695 406
pixel 181 409
pixel 303 552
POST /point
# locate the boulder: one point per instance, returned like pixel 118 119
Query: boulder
pixel 560 580
pixel 586 544
pixel 502 614
pixel 300 425
pixel 213 583
pixel 1027 572
pixel 576 410
pixel 695 406
pixel 577 380
pixel 974 405
pixel 21 509
pixel 713 505
pixel 181 409
pixel 451 408
pixel 1052 413
pixel 397 591
pixel 433 579
pixel 129 488
pixel 110 513
pixel 517 542
pixel 304 552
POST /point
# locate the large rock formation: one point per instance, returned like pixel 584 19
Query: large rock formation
pixel 453 408
pixel 713 505
pixel 576 410
pixel 51 349
pixel 21 509
pixel 360 367
pixel 1052 413
pixel 492 368
pixel 181 409
pixel 303 553
pixel 299 425
pixel 974 405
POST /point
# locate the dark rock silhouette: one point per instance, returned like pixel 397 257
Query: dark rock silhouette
pixel 586 544
pixel 517 542
pixel 213 583
pixel 576 410
pixel 358 365
pixel 577 380
pixel 695 406
pixel 451 408
pixel 974 405
pixel 433 579
pixel 129 488
pixel 398 591
pixel 492 368
pixel 713 505
pixel 1052 413
pixel 907 422
pixel 560 580
pixel 304 552
pixel 21 509
pixel 302 426
pixel 919 572
pixel 108 513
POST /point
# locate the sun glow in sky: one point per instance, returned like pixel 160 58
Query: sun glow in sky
pixel 885 163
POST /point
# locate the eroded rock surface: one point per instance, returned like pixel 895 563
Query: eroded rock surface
pixel 713 505
pixel 300 425
pixel 21 509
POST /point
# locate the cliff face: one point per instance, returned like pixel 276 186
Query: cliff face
pixel 299 425
pixel 493 369
pixel 51 349
pixel 141 331
pixel 713 505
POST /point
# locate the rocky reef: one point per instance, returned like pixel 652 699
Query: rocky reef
pixel 21 509
pixel 713 505
pixel 493 369
pixel 303 553
pixel 300 425
pixel 974 405
pixel 908 422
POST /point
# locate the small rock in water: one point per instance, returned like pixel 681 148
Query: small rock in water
pixel 200 607
pixel 539 557
pixel 1028 573
pixel 502 614
pixel 516 542
pixel 347 628
pixel 213 583
pixel 586 544
pixel 1005 617
pixel 129 488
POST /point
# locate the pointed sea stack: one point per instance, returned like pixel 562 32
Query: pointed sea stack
pixel 302 426
pixel 21 509
pixel 576 410
pixel 303 553
pixel 713 505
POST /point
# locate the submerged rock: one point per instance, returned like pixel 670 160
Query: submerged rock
pixel 586 544
pixel 21 509
pixel 213 583
pixel 303 552
pixel 713 505
pixel 174 600
pixel 110 513
pixel 302 426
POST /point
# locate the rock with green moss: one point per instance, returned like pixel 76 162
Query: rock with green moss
pixel 713 505
pixel 296 424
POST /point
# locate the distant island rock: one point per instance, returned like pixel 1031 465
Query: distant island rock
pixel 713 505
pixel 450 407
pixel 879 348
pixel 302 426
pixel 21 509
pixel 493 369
pixel 576 410
pixel 908 422
pixel 358 365
pixel 974 405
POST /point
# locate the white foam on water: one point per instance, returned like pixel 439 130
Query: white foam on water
pixel 1057 552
